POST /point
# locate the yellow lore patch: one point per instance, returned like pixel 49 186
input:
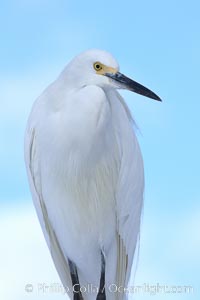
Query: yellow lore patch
pixel 102 69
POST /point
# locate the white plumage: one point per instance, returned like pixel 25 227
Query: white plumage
pixel 85 172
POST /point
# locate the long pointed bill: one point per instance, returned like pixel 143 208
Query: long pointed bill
pixel 127 83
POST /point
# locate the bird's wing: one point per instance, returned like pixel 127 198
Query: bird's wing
pixel 33 171
pixel 129 194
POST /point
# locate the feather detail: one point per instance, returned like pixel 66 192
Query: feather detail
pixel 59 259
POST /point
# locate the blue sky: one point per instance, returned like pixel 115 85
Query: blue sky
pixel 156 43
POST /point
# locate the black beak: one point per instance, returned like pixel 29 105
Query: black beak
pixel 127 83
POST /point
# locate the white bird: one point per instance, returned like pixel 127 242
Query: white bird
pixel 85 172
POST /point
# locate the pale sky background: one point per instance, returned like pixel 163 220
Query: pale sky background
pixel 157 43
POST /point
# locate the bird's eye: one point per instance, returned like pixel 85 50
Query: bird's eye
pixel 97 66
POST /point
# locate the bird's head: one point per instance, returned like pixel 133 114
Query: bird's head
pixel 97 67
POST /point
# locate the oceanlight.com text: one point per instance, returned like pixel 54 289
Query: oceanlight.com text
pixel 145 288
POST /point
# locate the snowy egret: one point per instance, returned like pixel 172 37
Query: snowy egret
pixel 85 172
